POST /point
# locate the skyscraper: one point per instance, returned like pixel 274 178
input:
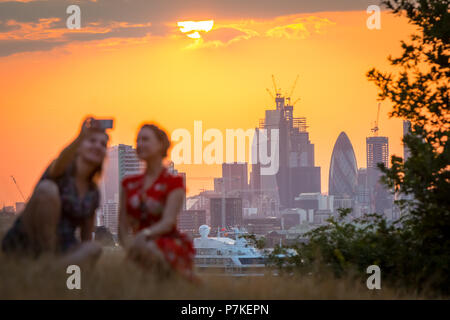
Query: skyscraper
pixel 343 169
pixel 406 131
pixel 171 168
pixel 121 161
pixel 296 171
pixel 235 177
pixel 363 197
pixel 233 212
pixel 377 149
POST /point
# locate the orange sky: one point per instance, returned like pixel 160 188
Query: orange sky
pixel 174 80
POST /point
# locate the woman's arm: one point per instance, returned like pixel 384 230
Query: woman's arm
pixel 124 227
pixel 87 228
pixel 59 166
pixel 173 206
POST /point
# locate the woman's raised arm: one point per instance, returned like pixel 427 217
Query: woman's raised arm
pixel 59 165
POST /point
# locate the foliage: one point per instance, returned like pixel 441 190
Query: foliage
pixel 413 252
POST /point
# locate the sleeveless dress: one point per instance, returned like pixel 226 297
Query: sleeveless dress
pixel 74 211
pixel 145 208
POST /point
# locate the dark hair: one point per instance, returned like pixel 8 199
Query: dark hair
pixel 161 135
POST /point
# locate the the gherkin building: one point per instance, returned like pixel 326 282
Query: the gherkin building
pixel 343 169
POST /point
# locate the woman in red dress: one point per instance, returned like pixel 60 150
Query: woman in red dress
pixel 149 206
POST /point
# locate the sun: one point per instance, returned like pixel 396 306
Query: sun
pixel 193 28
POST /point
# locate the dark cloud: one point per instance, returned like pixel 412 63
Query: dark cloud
pixel 8 47
pixel 139 11
pixel 4 27
pixel 126 32
pixel 156 12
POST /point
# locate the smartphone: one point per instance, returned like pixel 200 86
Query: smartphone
pixel 103 123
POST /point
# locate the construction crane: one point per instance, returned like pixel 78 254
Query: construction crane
pixel 277 94
pixel 270 92
pixel 275 86
pixel 288 95
pixel 18 188
pixel 375 128
pixel 293 87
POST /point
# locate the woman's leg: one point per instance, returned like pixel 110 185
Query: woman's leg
pixel 85 254
pixel 41 216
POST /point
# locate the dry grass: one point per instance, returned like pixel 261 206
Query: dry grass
pixel 114 278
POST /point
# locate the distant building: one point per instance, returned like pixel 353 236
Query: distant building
pixel 19 207
pixel 343 169
pixel 377 149
pixel 304 180
pixel 189 221
pixel 235 177
pixel 262 226
pixel 171 168
pixel 315 201
pixel 121 161
pixel 8 210
pixel 219 185
pixel 233 213
pixel 363 192
pixel 296 171
pixel 406 131
pixel 276 238
pixel 294 216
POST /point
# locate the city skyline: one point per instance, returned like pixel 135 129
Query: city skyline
pixel 155 80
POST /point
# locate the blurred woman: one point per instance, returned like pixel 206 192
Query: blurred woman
pixel 149 206
pixel 64 200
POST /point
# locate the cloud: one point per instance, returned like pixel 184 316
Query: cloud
pixel 7 26
pixel 292 27
pixel 225 35
pixel 102 19
pixel 301 28
pixel 8 47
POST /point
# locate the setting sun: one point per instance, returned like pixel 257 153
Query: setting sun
pixel 192 28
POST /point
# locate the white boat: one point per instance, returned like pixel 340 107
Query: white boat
pixel 228 256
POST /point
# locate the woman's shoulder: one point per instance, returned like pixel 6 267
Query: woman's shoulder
pixel 174 180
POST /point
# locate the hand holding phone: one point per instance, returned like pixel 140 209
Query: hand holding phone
pixel 99 124
pixel 103 123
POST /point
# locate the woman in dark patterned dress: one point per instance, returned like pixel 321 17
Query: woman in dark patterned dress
pixel 64 199
pixel 149 206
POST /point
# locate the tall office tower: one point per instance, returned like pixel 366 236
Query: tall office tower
pixel 235 178
pixel 363 196
pixel 342 180
pixel 296 171
pixel 377 149
pixel 121 161
pixel 171 168
pixel 233 213
pixel 406 131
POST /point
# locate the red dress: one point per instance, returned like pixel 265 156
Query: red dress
pixel 145 207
